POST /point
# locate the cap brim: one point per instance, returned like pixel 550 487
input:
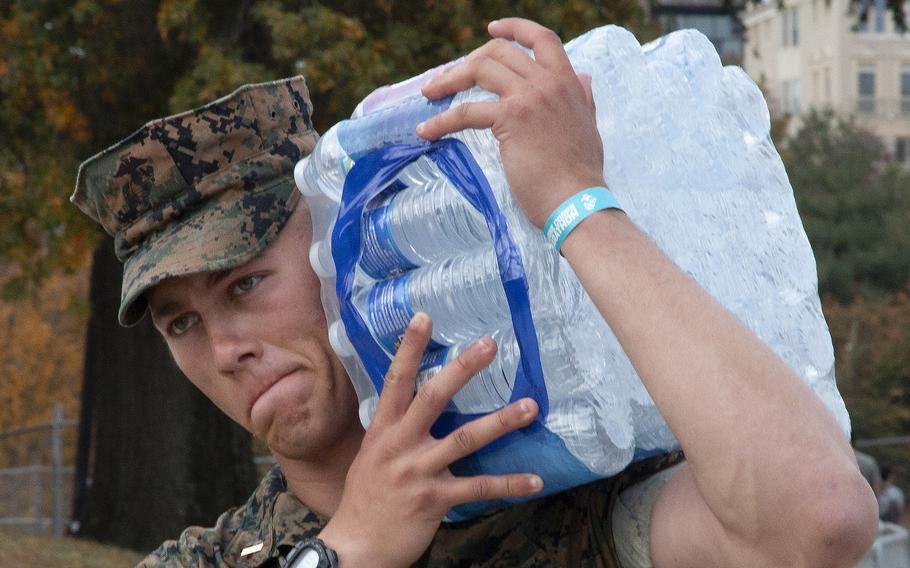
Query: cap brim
pixel 216 237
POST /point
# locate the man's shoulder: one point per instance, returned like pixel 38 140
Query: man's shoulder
pixel 271 518
pixel 569 528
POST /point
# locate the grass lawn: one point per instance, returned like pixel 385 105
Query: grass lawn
pixel 23 550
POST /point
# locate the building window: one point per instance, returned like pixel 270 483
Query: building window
pixel 866 88
pixel 784 27
pixel 905 89
pixel 790 103
pixel 902 150
pixel 790 27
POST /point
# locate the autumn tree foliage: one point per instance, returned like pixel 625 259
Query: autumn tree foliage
pixel 855 205
pixel 77 76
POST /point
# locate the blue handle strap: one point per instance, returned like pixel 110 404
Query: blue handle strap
pixel 372 174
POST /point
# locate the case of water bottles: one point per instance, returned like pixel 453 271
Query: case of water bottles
pixel 401 225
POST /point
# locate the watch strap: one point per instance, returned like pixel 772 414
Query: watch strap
pixel 327 557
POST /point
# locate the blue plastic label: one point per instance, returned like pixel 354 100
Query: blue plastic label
pixel 391 125
pixel 381 256
pixel 389 311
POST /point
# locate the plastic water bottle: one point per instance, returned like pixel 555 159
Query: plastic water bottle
pixel 426 222
pixel 491 388
pixel 463 294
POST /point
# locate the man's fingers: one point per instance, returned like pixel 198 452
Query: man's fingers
pixel 467 115
pixel 494 66
pixel 479 68
pixel 509 54
pixel 548 48
pixel 486 487
pixel 435 394
pixel 585 80
pixel 477 434
pixel 400 379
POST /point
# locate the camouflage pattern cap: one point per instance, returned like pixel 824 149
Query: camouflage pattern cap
pixel 204 190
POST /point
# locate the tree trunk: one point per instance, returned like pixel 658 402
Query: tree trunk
pixel 163 457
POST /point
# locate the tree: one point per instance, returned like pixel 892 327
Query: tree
pixel 872 345
pixel 854 206
pixel 76 77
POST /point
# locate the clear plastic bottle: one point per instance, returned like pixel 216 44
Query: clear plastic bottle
pixel 427 221
pixel 464 295
pixel 323 172
pixel 491 388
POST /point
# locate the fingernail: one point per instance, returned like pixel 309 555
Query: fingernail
pixel 493 23
pixel 525 407
pixel 417 321
pixel 535 482
pixel 421 127
pixel 485 343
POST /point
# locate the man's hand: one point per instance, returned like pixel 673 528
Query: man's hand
pixel 399 487
pixel 544 120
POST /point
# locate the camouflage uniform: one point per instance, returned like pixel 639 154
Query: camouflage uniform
pixel 571 529
pixel 208 190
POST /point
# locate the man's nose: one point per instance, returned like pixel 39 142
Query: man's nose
pixel 232 350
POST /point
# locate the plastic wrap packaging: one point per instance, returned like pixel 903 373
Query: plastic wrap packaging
pixel 402 225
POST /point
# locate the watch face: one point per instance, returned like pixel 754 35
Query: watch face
pixel 309 559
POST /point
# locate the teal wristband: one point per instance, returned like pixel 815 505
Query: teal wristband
pixel 576 209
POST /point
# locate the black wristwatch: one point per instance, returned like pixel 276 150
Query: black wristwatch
pixel 311 553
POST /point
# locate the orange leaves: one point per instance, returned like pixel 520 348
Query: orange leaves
pixel 62 113
pixel 42 343
pixel 464 35
pixel 351 29
pixel 179 20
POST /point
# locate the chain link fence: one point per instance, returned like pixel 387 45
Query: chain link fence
pixel 36 486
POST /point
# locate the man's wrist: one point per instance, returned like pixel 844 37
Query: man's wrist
pixel 575 210
pixel 351 550
pixel 597 233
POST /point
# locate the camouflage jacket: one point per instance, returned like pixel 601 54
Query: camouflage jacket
pixel 567 529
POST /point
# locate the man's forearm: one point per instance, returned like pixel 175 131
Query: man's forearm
pixel 755 435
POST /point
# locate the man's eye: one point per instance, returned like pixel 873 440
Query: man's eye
pixel 246 284
pixel 182 323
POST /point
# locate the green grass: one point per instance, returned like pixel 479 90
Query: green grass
pixel 23 550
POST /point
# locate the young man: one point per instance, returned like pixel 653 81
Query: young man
pixel 197 202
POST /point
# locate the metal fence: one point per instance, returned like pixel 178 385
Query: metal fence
pixel 36 487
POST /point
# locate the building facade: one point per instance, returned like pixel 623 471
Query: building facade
pixel 714 18
pixel 814 54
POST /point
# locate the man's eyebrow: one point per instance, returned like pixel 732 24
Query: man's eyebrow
pixel 217 276
pixel 169 308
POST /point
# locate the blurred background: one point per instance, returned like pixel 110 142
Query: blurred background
pixel 100 436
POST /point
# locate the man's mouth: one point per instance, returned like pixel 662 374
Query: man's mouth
pixel 269 384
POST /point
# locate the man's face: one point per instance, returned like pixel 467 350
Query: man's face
pixel 254 340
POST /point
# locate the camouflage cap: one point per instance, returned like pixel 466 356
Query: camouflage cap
pixel 204 190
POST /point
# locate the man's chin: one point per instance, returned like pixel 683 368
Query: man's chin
pixel 278 408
